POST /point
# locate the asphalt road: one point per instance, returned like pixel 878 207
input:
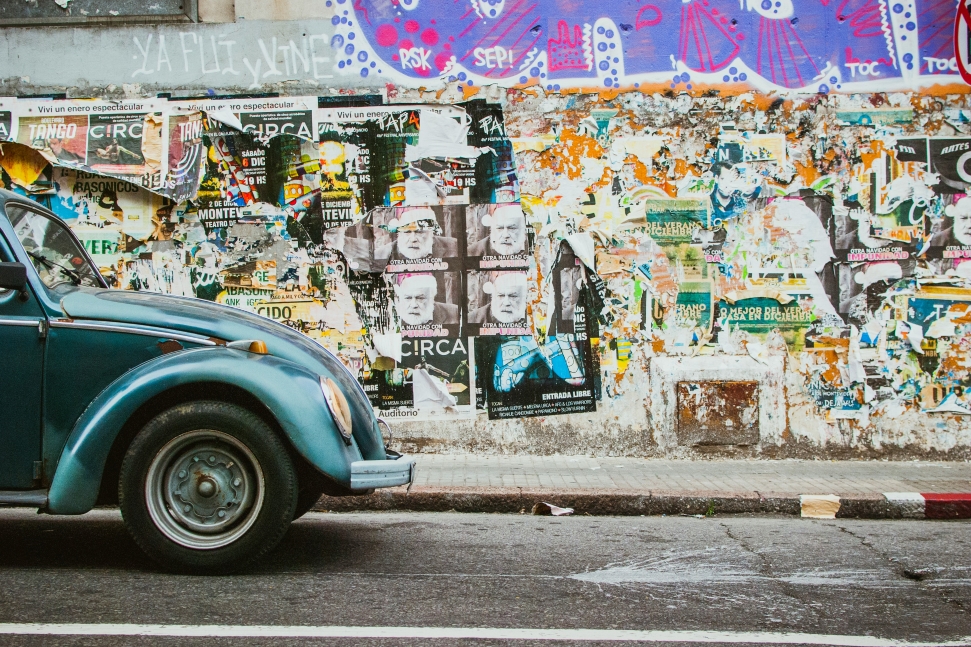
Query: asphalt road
pixel 905 580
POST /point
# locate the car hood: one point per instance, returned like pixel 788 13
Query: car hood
pixel 229 324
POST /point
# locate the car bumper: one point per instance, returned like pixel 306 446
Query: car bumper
pixel 367 475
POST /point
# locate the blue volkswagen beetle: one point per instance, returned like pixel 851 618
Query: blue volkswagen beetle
pixel 212 428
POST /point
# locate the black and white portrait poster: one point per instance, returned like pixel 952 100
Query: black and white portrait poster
pixel 497 237
pixel 428 303
pixel 949 249
pixel 418 239
pixel 497 303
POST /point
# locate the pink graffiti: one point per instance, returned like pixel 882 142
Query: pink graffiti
pixel 566 54
pixel 706 44
pixel 386 35
pixel 865 21
pixel 640 22
pixel 781 53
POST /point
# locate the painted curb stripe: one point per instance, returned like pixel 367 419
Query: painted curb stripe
pixel 931 505
pixel 915 497
pixel 910 505
pixel 947 506
pixel 485 633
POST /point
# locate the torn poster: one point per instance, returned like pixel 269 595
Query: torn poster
pixel 120 139
pixel 520 377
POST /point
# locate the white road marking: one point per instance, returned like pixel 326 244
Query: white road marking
pixel 490 633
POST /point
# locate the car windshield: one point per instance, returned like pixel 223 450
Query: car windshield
pixel 53 251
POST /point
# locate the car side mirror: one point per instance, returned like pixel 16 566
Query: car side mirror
pixel 13 276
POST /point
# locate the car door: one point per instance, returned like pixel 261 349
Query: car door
pixel 22 322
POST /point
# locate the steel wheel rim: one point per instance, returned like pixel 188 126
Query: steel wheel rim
pixel 204 489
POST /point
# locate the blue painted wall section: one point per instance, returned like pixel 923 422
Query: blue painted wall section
pixel 814 45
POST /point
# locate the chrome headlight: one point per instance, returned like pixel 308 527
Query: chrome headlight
pixel 386 434
pixel 340 410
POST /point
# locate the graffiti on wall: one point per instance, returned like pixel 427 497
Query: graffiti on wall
pixel 811 46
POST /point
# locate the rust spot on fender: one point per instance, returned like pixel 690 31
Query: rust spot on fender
pixel 170 346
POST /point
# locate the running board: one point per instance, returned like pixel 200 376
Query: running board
pixel 24 499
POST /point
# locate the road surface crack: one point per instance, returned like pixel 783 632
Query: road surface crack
pixel 919 576
pixel 765 570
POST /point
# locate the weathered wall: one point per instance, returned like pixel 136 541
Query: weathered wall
pixel 793 362
pixel 766 206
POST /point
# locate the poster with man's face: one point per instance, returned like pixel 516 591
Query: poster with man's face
pixel 428 303
pixel 520 377
pixel 736 189
pixel 418 239
pixel 497 303
pixel 65 137
pixel 566 279
pixel 497 237
pixel 950 242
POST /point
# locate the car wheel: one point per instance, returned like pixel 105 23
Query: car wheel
pixel 207 487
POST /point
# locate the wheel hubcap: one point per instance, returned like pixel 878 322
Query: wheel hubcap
pixel 204 489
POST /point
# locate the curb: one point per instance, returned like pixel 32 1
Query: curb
pixel 891 505
pixel 915 505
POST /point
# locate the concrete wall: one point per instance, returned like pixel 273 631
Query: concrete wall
pixel 776 244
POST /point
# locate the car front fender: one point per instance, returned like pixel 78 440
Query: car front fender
pixel 291 393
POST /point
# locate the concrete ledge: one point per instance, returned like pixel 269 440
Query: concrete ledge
pixel 597 502
pixel 874 506
pixel 629 503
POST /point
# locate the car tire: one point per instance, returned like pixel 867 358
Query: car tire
pixel 306 499
pixel 207 487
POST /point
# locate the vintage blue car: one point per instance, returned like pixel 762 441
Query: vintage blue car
pixel 211 427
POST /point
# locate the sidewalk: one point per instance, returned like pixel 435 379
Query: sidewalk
pixel 630 486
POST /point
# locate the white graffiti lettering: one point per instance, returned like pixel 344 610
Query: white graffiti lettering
pixel 865 69
pixel 314 59
pixel 202 56
pixel 148 45
pixel 208 55
pixel 416 57
pixel 185 50
pixel 941 64
pixel 270 60
pixel 489 125
pixel 228 44
pixel 493 57
pixel 163 54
